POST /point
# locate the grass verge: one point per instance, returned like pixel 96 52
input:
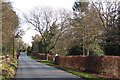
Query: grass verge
pixel 85 75
pixel 8 71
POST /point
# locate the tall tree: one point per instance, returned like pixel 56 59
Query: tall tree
pixel 108 14
pixel 0 28
pixel 51 25
pixel 35 44
pixel 80 8
pixel 10 23
pixel 87 27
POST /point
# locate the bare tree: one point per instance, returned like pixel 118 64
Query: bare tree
pixel 107 12
pixel 50 24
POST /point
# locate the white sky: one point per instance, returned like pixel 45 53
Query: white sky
pixel 23 6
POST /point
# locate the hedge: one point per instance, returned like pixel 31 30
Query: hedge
pixel 97 64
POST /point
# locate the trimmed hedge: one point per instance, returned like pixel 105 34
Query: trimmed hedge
pixel 71 62
pixel 97 64
pixel 42 56
pixel 111 65
pixel 51 57
pixel 93 64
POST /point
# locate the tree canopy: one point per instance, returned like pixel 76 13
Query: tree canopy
pixel 91 29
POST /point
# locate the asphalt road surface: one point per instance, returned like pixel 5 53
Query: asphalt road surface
pixel 28 68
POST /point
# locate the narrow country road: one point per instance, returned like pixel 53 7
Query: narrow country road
pixel 28 68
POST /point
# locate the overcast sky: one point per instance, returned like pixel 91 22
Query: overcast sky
pixel 23 6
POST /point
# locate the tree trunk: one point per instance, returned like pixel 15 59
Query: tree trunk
pixel 88 51
pixel 13 47
pixel 83 46
pixel 46 58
